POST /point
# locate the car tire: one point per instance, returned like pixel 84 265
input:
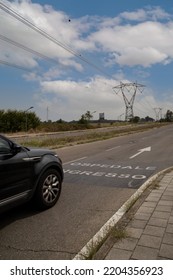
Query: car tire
pixel 48 189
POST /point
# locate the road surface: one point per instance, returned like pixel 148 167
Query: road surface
pixel 99 178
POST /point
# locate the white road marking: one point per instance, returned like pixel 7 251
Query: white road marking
pixel 148 149
pixel 74 160
pixel 104 174
pixel 113 148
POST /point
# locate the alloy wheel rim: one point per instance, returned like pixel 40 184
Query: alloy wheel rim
pixel 50 188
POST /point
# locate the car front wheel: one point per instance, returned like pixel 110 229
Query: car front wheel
pixel 48 189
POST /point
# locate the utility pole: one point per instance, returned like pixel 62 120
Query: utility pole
pixel 47 114
pixel 125 89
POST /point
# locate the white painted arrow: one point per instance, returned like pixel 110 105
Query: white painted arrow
pixel 148 149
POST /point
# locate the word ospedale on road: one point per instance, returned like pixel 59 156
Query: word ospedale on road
pixel 108 174
pixel 128 167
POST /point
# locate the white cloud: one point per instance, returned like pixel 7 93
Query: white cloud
pixel 142 44
pixel 150 13
pixel 71 99
pixel 144 56
pixel 54 23
pixel 138 15
pixel 140 38
pixel 127 41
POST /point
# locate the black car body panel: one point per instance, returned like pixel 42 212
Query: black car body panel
pixel 21 169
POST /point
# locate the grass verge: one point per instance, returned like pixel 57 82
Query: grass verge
pixel 58 142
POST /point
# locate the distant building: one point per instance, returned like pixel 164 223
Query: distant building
pixel 101 116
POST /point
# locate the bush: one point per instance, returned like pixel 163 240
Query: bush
pixel 15 121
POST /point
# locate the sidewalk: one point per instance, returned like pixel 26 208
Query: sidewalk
pixel 150 231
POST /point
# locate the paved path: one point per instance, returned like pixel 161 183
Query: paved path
pixel 150 231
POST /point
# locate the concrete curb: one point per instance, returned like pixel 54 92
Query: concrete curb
pixel 99 237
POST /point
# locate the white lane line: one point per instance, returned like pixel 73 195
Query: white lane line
pixel 74 160
pixel 113 148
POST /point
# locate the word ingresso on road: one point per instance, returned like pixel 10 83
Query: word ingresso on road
pixel 108 174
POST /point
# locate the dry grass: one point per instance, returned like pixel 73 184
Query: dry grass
pixel 57 142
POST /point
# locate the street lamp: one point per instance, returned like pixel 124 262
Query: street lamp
pixel 27 116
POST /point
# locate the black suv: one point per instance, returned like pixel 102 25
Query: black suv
pixel 27 173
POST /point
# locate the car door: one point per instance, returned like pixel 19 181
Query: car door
pixel 15 172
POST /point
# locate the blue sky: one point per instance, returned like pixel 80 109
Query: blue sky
pixel 103 43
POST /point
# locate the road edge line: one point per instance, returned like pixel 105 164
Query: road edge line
pixel 99 237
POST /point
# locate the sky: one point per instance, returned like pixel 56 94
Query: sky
pixel 66 57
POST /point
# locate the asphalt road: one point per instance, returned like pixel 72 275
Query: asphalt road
pixel 99 178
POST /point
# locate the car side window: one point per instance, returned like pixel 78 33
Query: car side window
pixel 4 147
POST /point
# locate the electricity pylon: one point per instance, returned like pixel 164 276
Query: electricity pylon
pixel 158 112
pixel 126 88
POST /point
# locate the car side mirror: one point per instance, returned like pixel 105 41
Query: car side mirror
pixel 16 149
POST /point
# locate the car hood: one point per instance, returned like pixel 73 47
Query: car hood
pixel 39 152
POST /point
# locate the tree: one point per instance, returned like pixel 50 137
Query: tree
pixel 135 119
pixel 85 118
pixel 32 120
pixel 14 121
pixel 169 116
pixel 149 119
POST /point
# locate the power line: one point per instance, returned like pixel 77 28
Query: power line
pixel 144 105
pixel 16 44
pixel 13 65
pixel 144 111
pixel 20 18
pixel 17 16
